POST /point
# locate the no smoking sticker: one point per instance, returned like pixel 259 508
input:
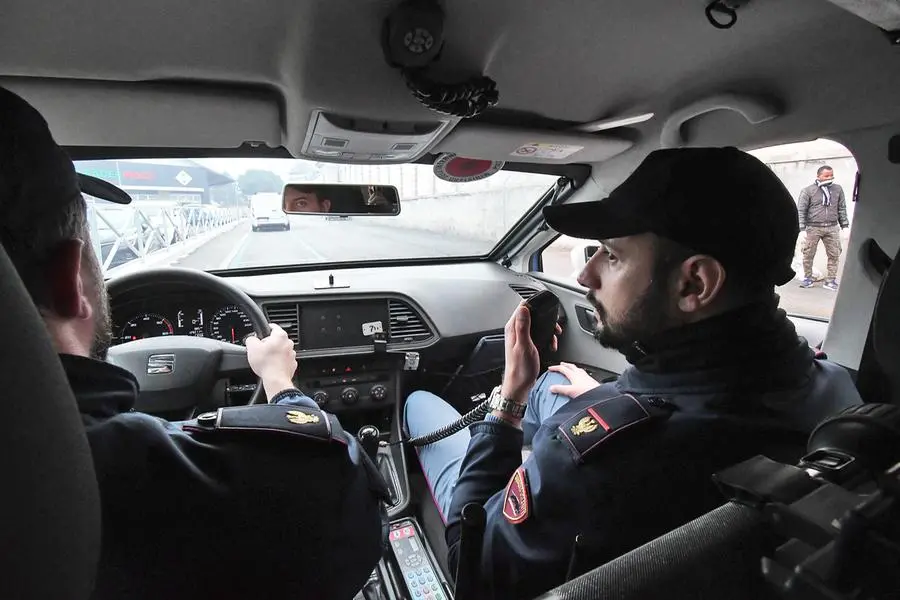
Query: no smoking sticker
pixel 540 150
pixel 459 169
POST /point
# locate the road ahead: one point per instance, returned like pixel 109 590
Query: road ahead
pixel 312 241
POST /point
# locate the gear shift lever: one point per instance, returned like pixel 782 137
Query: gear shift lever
pixel 368 439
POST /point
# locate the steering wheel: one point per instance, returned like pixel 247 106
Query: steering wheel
pixel 184 367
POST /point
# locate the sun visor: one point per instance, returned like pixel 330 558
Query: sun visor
pixel 492 142
pixel 120 114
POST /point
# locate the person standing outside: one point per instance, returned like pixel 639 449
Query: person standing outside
pixel 823 214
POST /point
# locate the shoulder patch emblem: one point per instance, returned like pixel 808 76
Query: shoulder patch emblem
pixel 584 425
pixel 265 419
pixel 589 427
pixel 298 417
pixel 516 503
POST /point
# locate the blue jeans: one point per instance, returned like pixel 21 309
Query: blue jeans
pixel 424 412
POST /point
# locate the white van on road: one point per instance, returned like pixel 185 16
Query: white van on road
pixel 266 212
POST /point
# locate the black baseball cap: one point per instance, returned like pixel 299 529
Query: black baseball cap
pixel 35 172
pixel 717 201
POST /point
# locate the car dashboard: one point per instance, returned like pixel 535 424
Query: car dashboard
pixel 361 335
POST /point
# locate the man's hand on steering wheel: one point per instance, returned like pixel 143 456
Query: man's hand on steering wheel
pixel 273 359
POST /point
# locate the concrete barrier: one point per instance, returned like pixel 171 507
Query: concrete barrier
pixel 484 215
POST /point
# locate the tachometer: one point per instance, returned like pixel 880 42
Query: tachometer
pixel 230 324
pixel 145 326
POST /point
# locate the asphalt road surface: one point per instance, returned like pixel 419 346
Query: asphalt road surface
pixel 313 241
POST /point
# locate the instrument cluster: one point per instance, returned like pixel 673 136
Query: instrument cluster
pixel 227 323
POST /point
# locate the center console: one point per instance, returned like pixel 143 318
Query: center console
pixel 409 570
pixel 411 566
pixel 351 383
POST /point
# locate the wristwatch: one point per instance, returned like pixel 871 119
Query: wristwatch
pixel 496 401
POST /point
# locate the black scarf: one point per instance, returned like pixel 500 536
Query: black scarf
pixel 754 347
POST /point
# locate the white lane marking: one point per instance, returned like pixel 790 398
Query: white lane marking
pixel 233 254
pixel 310 249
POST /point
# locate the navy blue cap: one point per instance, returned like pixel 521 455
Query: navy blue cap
pixel 717 201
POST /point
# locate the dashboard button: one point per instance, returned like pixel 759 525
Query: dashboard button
pixel 378 392
pixel 350 395
pixel 321 397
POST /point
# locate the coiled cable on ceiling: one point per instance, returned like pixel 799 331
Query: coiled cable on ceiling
pixel 466 99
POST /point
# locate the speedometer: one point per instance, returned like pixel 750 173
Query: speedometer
pixel 146 326
pixel 230 324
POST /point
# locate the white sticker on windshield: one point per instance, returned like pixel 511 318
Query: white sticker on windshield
pixel 372 328
pixel 539 150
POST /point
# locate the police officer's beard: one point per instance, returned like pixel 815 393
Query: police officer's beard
pixel 649 315
pixel 100 302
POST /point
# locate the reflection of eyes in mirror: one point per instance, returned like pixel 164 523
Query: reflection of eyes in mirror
pixel 303 199
pixel 340 199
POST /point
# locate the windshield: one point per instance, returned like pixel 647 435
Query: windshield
pixel 218 214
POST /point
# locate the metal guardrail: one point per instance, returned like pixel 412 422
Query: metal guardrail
pixel 121 234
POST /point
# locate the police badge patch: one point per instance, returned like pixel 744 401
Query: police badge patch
pixel 516 503
pixel 587 429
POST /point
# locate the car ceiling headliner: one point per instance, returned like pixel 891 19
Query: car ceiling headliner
pixel 572 61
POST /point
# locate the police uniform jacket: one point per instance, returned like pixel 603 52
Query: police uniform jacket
pixel 269 501
pixel 633 459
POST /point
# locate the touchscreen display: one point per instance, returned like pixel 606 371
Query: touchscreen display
pixel 339 324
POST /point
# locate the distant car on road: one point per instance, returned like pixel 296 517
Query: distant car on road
pixel 266 212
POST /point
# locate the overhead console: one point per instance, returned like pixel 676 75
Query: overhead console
pixel 348 139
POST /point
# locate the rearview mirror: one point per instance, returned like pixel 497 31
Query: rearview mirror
pixel 340 199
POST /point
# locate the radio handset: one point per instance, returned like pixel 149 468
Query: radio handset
pixel 544 310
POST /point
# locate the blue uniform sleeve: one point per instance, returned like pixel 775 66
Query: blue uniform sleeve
pixel 566 488
pixel 232 514
pixel 517 558
pixel 494 453
pixel 296 399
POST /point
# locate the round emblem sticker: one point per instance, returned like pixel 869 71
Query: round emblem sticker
pixel 459 169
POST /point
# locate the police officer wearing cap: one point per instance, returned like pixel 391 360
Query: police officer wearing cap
pixel 693 243
pixel 269 501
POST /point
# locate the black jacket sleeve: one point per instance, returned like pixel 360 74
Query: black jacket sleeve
pixel 254 514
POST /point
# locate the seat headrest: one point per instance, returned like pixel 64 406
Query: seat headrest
pixel 50 502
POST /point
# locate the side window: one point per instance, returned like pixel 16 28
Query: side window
pixel 805 169
pixel 565 257
pixel 821 176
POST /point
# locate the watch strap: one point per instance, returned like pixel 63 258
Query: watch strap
pixel 505 405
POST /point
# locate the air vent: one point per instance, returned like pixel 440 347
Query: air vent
pixel 406 325
pixel 287 316
pixel 523 290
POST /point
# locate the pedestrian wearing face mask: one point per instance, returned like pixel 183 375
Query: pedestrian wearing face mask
pixel 823 214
